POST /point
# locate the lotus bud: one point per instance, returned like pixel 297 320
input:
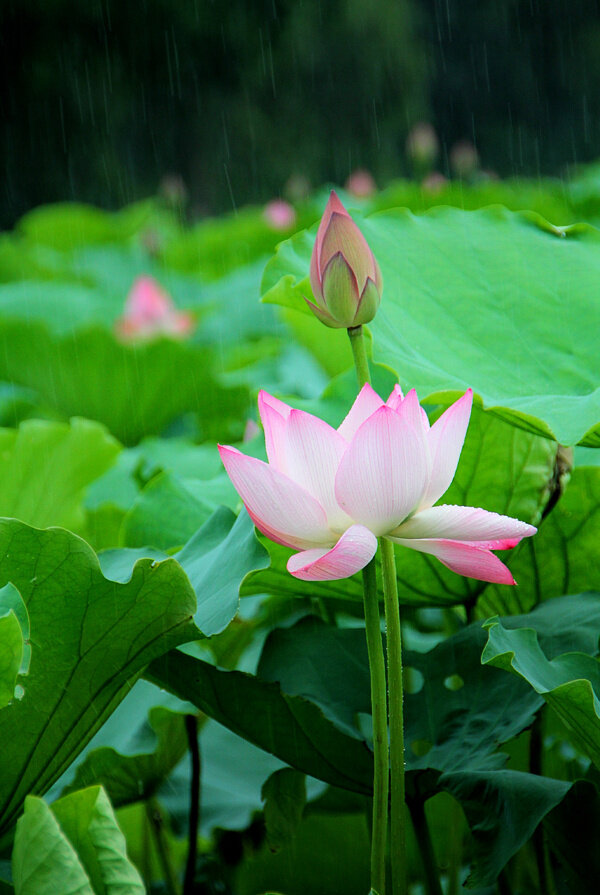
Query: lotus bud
pixel 344 275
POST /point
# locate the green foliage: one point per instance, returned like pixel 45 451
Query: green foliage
pixel 46 467
pixel 90 637
pixel 73 846
pixel 494 281
pixel 284 794
pixel 569 683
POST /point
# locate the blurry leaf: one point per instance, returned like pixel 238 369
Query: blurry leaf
pixel 503 809
pixel 66 225
pixel 75 845
pixel 573 831
pixel 569 683
pixel 91 637
pixel 135 777
pixel 328 855
pixel 562 557
pixel 292 728
pixel 135 390
pixel 532 286
pixel 46 467
pixel 164 515
pixel 284 794
pixel 217 558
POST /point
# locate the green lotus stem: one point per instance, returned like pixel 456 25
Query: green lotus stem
pixel 359 351
pixel 396 715
pixel 155 818
pixel 191 729
pixel 381 770
pixel 380 728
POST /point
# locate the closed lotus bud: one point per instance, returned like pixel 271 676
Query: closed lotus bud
pixel 344 275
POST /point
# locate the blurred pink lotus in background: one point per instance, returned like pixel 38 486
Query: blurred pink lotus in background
pixel 150 312
pixel 361 184
pixel 344 275
pixel 464 159
pixel 434 183
pixel 330 493
pixel 422 145
pixel 279 214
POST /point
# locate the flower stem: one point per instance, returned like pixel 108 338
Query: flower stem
pixel 425 846
pixel 361 361
pixel 380 731
pixel 396 713
pixel 191 729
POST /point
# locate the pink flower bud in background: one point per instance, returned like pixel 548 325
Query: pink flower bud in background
pixel 173 190
pixel 344 275
pixel 464 159
pixel 361 184
pixel 434 183
pixel 149 312
pixel 422 145
pixel 279 214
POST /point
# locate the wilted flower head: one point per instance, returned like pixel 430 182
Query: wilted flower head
pixel 330 493
pixel 149 312
pixel 344 275
pixel 361 184
pixel 279 214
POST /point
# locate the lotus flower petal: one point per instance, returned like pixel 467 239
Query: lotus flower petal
pixel 280 508
pixel 313 453
pixel 273 416
pixel 383 472
pixel 470 560
pixel 353 551
pixel 465 524
pixel 367 402
pixel 342 235
pixel 446 438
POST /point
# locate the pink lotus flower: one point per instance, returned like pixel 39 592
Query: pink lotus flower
pixel 330 493
pixel 361 184
pixel 279 214
pixel 344 275
pixel 150 312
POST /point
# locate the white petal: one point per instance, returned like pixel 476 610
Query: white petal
pixel 464 524
pixel 446 438
pixel 367 402
pixel 273 416
pixel 279 507
pixel 313 453
pixel 383 473
pixel 351 553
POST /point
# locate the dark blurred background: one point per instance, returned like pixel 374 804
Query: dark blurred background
pixel 100 99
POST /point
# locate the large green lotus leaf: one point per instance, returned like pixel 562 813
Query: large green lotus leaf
pixel 89 638
pixel 502 469
pixel 134 390
pixel 67 225
pixel 569 683
pixel 73 846
pixel 312 689
pixel 573 831
pixel 290 727
pixel 500 301
pixel 217 558
pixel 46 467
pixel 562 558
pixel 503 809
